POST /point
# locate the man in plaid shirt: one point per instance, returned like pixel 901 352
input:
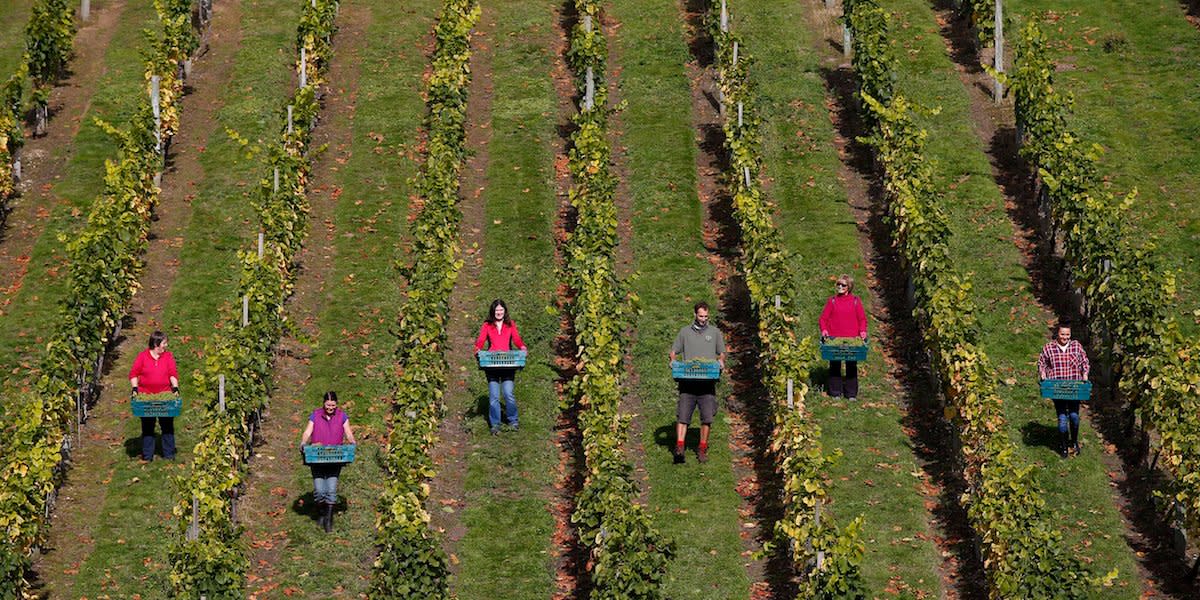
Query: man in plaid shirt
pixel 1064 358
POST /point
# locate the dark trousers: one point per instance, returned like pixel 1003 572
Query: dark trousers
pixel 837 385
pixel 168 437
pixel 1068 417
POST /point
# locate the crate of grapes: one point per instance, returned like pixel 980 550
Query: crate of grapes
pixel 156 405
pixel 844 348
pixel 1066 389
pixel 696 370
pixel 502 359
pixel 321 454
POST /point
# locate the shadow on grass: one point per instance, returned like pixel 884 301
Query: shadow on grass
pixel 664 436
pixel 1034 434
pixel 305 505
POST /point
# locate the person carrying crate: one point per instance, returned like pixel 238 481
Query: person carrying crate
pixel 329 426
pixel 154 372
pixel 843 317
pixel 698 341
pixel 1063 358
pixel 499 334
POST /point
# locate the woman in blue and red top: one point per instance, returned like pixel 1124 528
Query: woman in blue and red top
pixel 154 372
pixel 328 426
pixel 499 333
pixel 843 317
pixel 1065 358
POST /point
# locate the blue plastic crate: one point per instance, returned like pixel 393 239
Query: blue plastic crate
pixel 696 369
pixel 502 359
pixel 156 408
pixel 1066 389
pixel 318 454
pixel 845 349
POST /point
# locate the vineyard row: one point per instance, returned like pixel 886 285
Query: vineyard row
pixel 209 558
pixel 104 264
pixel 412 564
pixel 829 555
pixel 1023 553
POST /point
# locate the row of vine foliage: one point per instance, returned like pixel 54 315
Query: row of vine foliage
pixel 628 556
pixel 213 562
pixel 48 36
pixel 412 564
pixel 1128 289
pixel 104 263
pixel 768 267
pixel 1023 551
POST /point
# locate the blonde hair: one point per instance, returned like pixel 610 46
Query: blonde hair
pixel 848 280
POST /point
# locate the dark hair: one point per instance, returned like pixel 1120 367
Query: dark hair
pixel 699 305
pixel 1062 325
pixel 329 396
pixel 491 318
pixel 156 339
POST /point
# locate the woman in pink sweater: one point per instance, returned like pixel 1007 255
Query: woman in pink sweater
pixel 843 317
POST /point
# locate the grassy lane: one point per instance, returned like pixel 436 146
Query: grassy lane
pixel 352 354
pixel 695 505
pixel 876 475
pixel 1014 326
pixel 509 479
pixel 34 308
pixel 14 15
pixel 1132 70
pixel 129 550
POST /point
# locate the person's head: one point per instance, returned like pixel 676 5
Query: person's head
pixel 843 285
pixel 700 310
pixel 158 341
pixel 1062 333
pixel 498 311
pixel 330 403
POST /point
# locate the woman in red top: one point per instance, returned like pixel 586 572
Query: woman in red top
pixel 153 372
pixel 843 317
pixel 499 333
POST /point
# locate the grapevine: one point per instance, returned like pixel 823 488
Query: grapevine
pixel 796 440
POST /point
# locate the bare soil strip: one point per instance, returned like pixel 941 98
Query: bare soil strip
pixel 1164 572
pixel 76 515
pixel 44 159
pixel 899 339
pixel 750 419
pixel 454 442
pixel 272 475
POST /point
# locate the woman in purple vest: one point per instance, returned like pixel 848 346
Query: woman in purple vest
pixel 329 426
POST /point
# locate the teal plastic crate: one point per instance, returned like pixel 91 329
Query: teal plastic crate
pixel 318 454
pixel 1066 389
pixel 156 408
pixel 696 369
pixel 502 359
pixel 846 349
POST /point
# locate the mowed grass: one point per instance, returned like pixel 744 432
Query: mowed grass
pixel 34 310
pixel 134 535
pixel 878 476
pixel 695 505
pixel 510 479
pixel 1013 326
pixel 1133 70
pixel 353 351
pixel 14 16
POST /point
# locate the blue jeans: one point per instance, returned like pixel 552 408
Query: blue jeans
pixel 1068 414
pixel 498 382
pixel 325 479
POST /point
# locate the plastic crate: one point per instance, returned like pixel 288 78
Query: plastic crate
pixel 502 359
pixel 318 454
pixel 846 349
pixel 1066 389
pixel 156 408
pixel 696 369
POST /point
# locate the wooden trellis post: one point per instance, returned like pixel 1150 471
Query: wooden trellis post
pixel 724 16
pixel 589 98
pixel 791 398
pixel 221 392
pixel 998 93
pixel 156 106
pixel 260 245
pixel 85 10
pixel 193 532
pixel 303 67
pixel 290 109
pixel 847 40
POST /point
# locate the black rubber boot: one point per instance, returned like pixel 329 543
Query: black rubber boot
pixel 1075 438
pixel 321 516
pixel 1064 440
pixel 328 517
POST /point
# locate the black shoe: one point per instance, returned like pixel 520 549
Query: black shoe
pixel 679 458
pixel 702 455
pixel 1064 444
pixel 328 525
pixel 495 431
